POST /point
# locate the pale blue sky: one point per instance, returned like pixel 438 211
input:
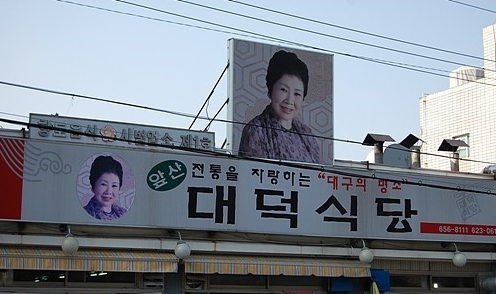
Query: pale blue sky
pixel 69 48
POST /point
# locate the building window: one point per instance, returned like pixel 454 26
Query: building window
pixel 409 281
pixel 70 278
pixel 463 152
pixel 240 280
pixel 248 284
pixel 42 277
pixel 453 282
pixel 297 281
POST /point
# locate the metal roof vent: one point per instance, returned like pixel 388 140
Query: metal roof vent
pixel 403 154
pixel 451 146
pixel 377 140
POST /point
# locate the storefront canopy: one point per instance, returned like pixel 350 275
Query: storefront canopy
pixel 262 265
pixel 87 260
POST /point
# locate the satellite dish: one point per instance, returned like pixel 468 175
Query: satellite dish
pixel 398 155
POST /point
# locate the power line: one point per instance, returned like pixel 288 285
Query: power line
pixel 306 166
pixel 246 33
pixel 215 116
pixel 399 65
pixel 335 37
pixel 146 107
pixel 152 18
pixel 209 96
pixel 188 115
pixel 384 62
pixel 299 17
pixel 130 105
pixel 206 118
pixel 473 6
pixel 96 99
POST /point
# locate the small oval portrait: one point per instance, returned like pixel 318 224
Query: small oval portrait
pixel 105 186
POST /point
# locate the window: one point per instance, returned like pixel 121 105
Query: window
pixel 246 284
pixel 452 282
pixel 409 281
pixel 247 280
pixel 42 277
pixel 61 278
pixel 463 152
pixel 438 282
pixel 297 281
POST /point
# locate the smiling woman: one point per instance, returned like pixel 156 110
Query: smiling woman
pixel 277 133
pixel 106 182
pixel 106 186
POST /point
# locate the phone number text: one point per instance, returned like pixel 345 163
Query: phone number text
pixel 457 229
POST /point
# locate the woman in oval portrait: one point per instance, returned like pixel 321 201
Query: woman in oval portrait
pixel 106 180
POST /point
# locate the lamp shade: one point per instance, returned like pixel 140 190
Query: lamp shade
pixel 182 250
pixel 70 244
pixel 366 256
pixel 459 259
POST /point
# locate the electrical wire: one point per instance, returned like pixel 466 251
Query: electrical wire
pixel 324 34
pixel 215 116
pixel 152 109
pixel 305 166
pixel 246 33
pixel 473 6
pixel 154 18
pixel 216 119
pixel 182 114
pixel 400 65
pixel 266 37
pixel 209 96
pixel 299 17
pixel 99 99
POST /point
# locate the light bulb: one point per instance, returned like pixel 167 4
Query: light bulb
pixel 70 244
pixel 459 259
pixel 182 250
pixel 366 256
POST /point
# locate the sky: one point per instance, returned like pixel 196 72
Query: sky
pixel 168 55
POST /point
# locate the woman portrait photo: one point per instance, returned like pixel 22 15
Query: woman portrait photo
pixel 278 132
pixel 106 178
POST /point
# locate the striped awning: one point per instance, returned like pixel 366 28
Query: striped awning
pixel 87 260
pixel 263 265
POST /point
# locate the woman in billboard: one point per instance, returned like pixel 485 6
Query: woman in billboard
pixel 276 133
pixel 106 182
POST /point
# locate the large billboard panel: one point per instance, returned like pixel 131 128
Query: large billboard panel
pixel 91 184
pixel 280 103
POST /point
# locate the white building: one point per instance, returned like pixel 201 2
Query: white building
pixel 466 111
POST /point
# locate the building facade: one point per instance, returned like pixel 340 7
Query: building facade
pixel 252 226
pixel 464 112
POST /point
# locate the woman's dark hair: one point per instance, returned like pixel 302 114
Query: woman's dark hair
pixel 283 63
pixel 105 164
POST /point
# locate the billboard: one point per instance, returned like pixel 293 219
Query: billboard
pixel 91 131
pixel 280 103
pixel 54 182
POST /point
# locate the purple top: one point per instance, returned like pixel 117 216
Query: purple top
pixel 264 137
pixel 95 210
